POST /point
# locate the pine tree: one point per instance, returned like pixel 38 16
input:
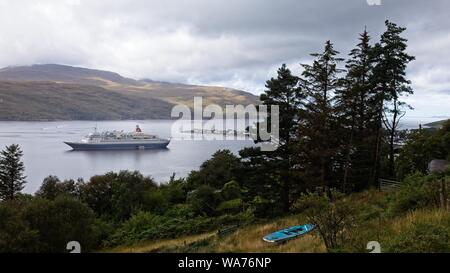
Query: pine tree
pixel 355 112
pixel 284 92
pixel 319 146
pixel 390 76
pixel 12 180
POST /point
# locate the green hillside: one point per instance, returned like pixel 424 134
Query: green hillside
pixel 59 101
pixel 57 92
pixel 395 233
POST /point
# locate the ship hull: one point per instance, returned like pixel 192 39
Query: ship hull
pixel 116 146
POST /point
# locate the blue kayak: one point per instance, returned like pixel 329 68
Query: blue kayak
pixel 288 233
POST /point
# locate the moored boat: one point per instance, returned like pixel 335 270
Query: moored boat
pixel 118 140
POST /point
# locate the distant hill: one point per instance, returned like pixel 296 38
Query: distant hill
pixel 61 73
pixel 59 92
pixel 436 124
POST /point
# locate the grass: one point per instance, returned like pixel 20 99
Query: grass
pixel 157 245
pixel 375 225
pixel 435 216
pixel 244 240
pixel 249 239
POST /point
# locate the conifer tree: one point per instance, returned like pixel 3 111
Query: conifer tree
pixel 391 81
pixel 284 92
pixel 319 146
pixel 12 180
pixel 356 114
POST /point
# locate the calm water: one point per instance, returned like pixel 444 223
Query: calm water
pixel 45 153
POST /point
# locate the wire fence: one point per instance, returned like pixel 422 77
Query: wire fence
pixel 386 185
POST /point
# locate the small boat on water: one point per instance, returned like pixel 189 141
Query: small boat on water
pixel 118 140
pixel 288 233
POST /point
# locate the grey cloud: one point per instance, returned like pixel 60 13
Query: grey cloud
pixel 236 43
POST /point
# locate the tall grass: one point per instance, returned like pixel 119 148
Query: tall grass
pixel 421 230
pixel 249 240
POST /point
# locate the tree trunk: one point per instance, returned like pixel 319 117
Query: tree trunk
pixel 348 157
pixel 285 197
pixel 377 159
pixel 391 155
pixel 391 142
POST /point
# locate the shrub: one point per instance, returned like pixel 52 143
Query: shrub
pixel 180 211
pixel 146 226
pixel 204 200
pixel 42 225
pixel 129 189
pixel 333 218
pixel 61 221
pixel 180 220
pixel 231 190
pixel 155 201
pixel 174 191
pixel 230 206
pixel 16 234
pixel 264 208
pixel 417 191
pixel 117 196
pixel 97 193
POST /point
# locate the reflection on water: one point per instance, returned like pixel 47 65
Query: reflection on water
pixel 117 156
pixel 136 159
pixel 109 153
pixel 46 154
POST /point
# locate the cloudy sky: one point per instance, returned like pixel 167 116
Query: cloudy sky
pixel 233 43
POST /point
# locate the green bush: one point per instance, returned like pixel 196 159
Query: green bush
pixel 61 221
pixel 264 208
pixel 146 226
pixel 204 200
pixel 16 235
pixel 103 231
pixel 334 217
pixel 174 191
pixel 155 201
pixel 180 220
pixel 231 190
pixel 417 191
pixel 230 206
pixel 180 211
pixel 42 225
pixel 116 196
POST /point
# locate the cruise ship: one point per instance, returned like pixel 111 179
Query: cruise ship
pixel 118 140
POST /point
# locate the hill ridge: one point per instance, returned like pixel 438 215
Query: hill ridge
pixel 79 90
